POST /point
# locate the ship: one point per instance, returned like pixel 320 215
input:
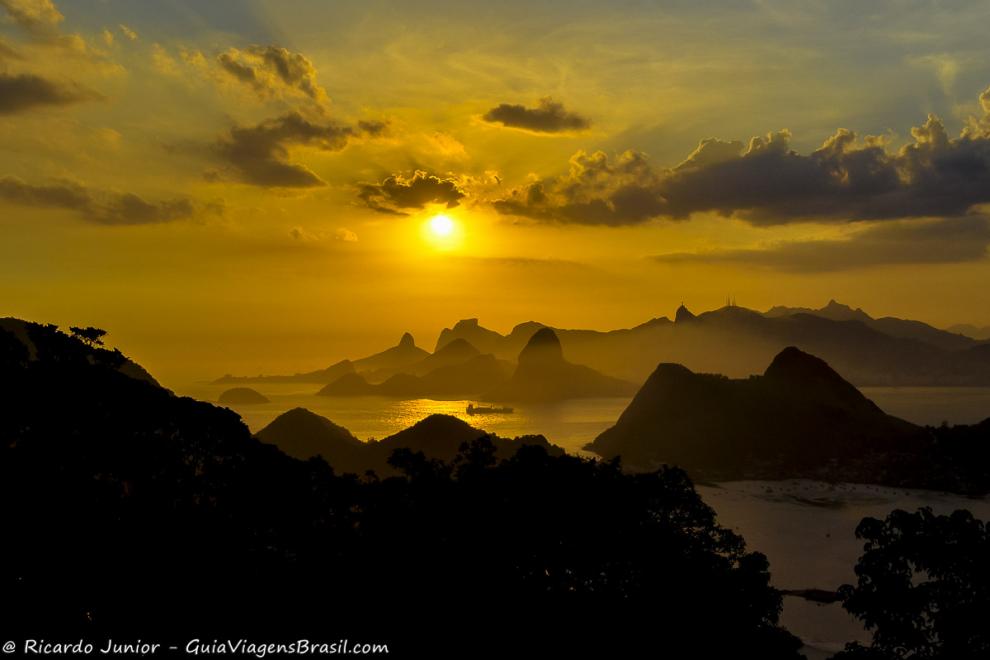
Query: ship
pixel 488 410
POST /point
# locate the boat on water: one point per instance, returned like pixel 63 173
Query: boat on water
pixel 488 410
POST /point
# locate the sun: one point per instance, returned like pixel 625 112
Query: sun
pixel 441 226
pixel 442 232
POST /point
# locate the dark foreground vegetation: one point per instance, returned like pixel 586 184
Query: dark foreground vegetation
pixel 923 587
pixel 128 511
pixel 126 508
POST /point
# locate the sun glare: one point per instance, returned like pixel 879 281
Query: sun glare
pixel 442 231
pixel 441 226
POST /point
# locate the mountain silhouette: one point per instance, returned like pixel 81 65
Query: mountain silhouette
pixel 543 374
pixel 242 395
pixel 323 376
pixel 979 333
pixel 440 436
pixel 739 341
pixel 889 325
pixel 392 360
pixel 800 418
pixel 43 343
pixel 303 434
pixel 353 384
pixel 453 353
pixel 683 315
pixel 485 340
pixel 833 310
pixel 732 340
pixel 472 377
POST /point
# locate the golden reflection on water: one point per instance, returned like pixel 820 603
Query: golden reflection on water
pixel 570 424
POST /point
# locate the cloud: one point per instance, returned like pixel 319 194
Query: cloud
pixel 42 20
pixel 128 32
pixel 162 61
pixel 943 241
pixel 399 192
pixel 342 234
pixel 273 72
pixel 767 182
pixel 548 117
pixel 345 235
pixel 38 17
pixel 7 52
pixel 259 154
pixel 22 92
pixel 597 190
pixel 97 206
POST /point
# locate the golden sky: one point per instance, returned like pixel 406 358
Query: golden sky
pixel 247 186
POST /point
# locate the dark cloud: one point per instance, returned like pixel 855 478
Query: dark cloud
pixel 944 241
pixel 596 191
pixel 25 91
pixel 767 182
pixel 548 117
pixel 413 192
pixel 101 207
pixel 259 154
pixel 272 71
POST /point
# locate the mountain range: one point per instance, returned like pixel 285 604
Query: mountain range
pixel 738 342
pixel 458 369
pixel 471 360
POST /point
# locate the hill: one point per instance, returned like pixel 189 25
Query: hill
pixel 454 353
pixel 303 434
pixel 43 344
pixel 241 395
pixel 392 360
pixel 543 374
pixel 799 419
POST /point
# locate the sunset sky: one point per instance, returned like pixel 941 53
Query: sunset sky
pixel 247 186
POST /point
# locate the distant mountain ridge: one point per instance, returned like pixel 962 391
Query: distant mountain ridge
pixel 980 333
pixel 733 340
pixel 895 327
pixel 739 342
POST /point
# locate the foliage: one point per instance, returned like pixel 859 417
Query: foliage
pixel 90 335
pixel 923 588
pixel 131 508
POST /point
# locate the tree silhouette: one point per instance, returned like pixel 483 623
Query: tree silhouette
pixel 90 335
pixel 923 588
